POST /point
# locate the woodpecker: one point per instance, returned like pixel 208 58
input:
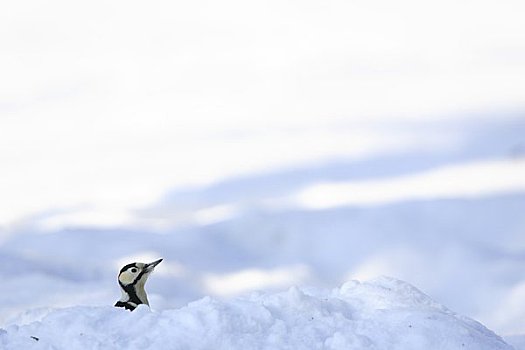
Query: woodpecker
pixel 132 279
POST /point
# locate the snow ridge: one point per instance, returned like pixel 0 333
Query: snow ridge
pixel 381 314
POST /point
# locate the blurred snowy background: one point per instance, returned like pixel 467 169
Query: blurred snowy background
pixel 259 145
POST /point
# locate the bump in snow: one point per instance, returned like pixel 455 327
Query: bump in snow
pixel 380 314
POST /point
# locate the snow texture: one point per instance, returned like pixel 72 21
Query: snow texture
pixel 381 314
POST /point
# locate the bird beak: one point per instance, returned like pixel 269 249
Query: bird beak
pixel 151 266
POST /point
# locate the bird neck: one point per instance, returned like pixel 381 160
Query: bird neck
pixel 134 293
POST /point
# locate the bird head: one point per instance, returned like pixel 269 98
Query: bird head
pixel 136 272
pixel 132 278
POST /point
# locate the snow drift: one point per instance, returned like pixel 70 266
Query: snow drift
pixel 381 314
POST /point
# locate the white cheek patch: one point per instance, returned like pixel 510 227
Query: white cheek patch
pixel 126 277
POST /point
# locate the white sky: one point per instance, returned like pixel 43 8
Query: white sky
pixel 110 104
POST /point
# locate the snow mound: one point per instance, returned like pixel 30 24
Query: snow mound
pixel 380 314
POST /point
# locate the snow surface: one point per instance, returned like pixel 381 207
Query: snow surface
pixel 380 314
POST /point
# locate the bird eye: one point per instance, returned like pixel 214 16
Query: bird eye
pixel 133 270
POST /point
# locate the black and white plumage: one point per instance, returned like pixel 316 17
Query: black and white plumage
pixel 132 279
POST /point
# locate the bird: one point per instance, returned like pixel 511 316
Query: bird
pixel 132 278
